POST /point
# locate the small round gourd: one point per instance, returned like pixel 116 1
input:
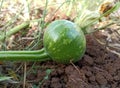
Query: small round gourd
pixel 64 41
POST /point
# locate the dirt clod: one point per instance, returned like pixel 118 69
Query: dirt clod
pixel 88 60
pixel 55 83
pixel 100 79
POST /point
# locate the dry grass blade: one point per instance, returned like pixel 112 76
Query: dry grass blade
pixel 24 82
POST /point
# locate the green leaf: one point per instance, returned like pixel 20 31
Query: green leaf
pixel 5 78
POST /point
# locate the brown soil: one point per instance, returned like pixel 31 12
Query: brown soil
pixel 97 69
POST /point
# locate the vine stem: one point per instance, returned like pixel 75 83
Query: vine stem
pixel 14 30
pixel 37 55
pixel 24 52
